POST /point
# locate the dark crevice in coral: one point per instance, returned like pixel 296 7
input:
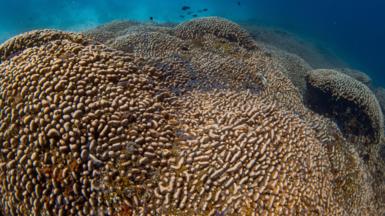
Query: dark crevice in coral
pixel 382 152
pixel 365 157
pixel 184 48
pixel 347 115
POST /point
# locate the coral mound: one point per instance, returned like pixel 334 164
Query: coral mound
pixel 114 29
pixel 155 122
pixel 35 38
pixel 356 74
pixel 151 44
pixel 198 28
pixel 293 66
pixel 88 129
pixel 351 103
pixel 75 119
pixel 211 62
pixel 110 30
pixel 253 158
pixel 380 94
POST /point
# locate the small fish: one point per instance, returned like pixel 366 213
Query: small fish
pixel 151 18
pixel 203 10
pixel 239 3
pixel 195 15
pixel 181 16
pixel 184 8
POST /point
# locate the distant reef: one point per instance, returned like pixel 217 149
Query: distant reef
pixel 196 118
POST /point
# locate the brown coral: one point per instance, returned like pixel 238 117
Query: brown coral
pixel 90 133
pixel 293 66
pixel 110 30
pixel 149 44
pixel 217 26
pixel 351 180
pixel 216 128
pixel 211 62
pixel 349 102
pixel 356 74
pixel 380 94
pixel 75 129
pixel 249 159
pixel 114 29
pixel 35 38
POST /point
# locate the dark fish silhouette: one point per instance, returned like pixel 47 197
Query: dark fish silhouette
pixel 239 3
pixel 181 16
pixel 194 15
pixel 184 8
pixel 151 18
pixel 203 10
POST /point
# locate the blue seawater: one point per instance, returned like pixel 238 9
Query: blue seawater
pixel 354 30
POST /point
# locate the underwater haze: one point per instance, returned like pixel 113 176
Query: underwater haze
pixel 354 30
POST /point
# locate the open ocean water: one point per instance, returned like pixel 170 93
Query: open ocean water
pixel 200 107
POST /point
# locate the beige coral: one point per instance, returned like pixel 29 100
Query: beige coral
pixel 36 38
pixel 216 128
pixel 75 129
pixel 217 26
pixel 294 67
pixel 211 62
pixel 96 124
pixel 380 94
pixel 253 158
pixel 352 183
pixel 356 74
pixel 149 44
pixel 110 30
pixel 114 29
pixel 345 98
